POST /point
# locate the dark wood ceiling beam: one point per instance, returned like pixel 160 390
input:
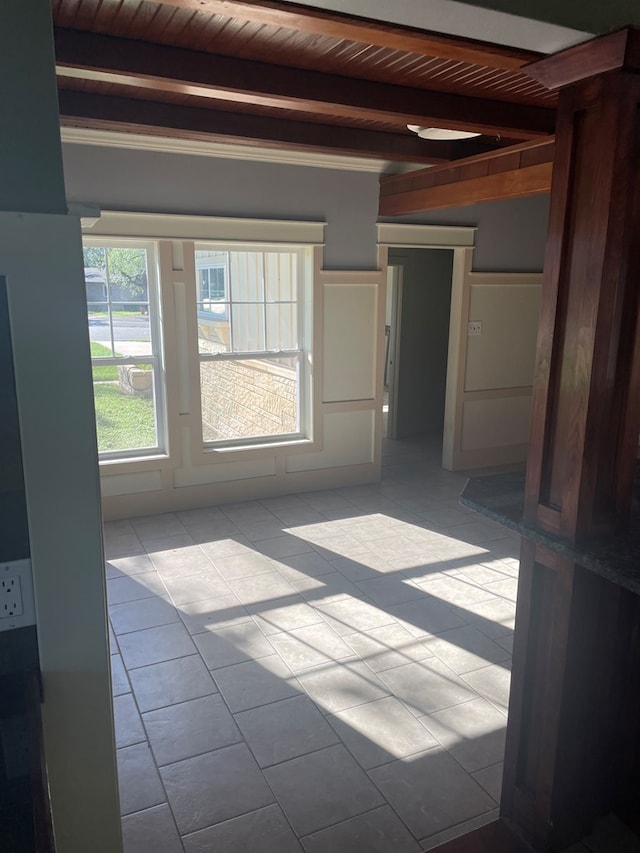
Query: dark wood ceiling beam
pixel 513 172
pixel 611 52
pixel 104 112
pixel 349 28
pixel 161 68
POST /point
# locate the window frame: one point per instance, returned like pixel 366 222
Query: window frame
pixel 156 358
pixel 301 355
pixel 189 462
pixel 208 267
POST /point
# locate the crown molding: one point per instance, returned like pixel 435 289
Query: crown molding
pixel 198 148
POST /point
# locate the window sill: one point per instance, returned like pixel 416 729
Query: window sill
pixel 286 446
pixel 153 458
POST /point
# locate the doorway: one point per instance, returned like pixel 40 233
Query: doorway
pixel 417 338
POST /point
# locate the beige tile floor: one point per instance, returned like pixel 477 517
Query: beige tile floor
pixel 318 672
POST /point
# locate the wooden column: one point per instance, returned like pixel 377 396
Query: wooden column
pixel 574 708
pixel 586 403
pixel 573 737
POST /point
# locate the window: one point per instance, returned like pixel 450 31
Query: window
pixel 252 338
pixel 124 333
pixel 212 278
pixel 242 323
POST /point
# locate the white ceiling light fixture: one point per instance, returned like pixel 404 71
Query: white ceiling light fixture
pixel 440 133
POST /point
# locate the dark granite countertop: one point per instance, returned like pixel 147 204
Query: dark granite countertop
pixel 615 557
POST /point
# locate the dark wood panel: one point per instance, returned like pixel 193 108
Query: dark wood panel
pixel 448 150
pixel 349 28
pixel 537 151
pixel 600 706
pixel 625 405
pixel 485 177
pixel 424 72
pixel 161 68
pixel 572 379
pixel 573 737
pixel 42 821
pixel 426 151
pixel 549 339
pixel 544 666
pixel 585 414
pixel 103 112
pixel 495 837
pixel 425 65
pixel 574 713
pixel 516 183
pixel 518 805
pixel 611 52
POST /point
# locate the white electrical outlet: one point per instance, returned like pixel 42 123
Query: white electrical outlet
pixel 10 597
pixel 474 327
pixel 17 607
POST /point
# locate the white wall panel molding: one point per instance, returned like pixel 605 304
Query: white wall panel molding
pixel 490 374
pixel 366 405
pixel 224 472
pixel 425 236
pixel 350 278
pixel 131 484
pixel 161 226
pixel 231 491
pixel 350 319
pixel 349 439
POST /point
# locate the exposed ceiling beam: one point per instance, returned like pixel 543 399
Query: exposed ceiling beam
pixel 168 69
pixel 607 53
pixel 105 112
pixel 513 172
pixel 336 25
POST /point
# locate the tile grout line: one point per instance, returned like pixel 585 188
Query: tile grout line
pixel 340 662
pixel 155 764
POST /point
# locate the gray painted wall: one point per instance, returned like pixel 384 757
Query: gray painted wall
pixel 511 234
pixel 14 530
pixel 170 183
pixel 424 338
pixel 30 173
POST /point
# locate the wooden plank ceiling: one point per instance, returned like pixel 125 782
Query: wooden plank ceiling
pixel 278 75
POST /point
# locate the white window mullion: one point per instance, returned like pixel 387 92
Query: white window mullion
pixel 109 309
pixel 264 302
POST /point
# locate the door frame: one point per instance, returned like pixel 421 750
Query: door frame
pixel 461 239
pixel 395 274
